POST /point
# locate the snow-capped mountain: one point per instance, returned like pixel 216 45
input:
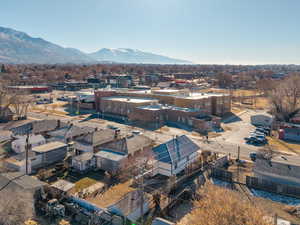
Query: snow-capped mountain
pixel 19 47
pixel 127 55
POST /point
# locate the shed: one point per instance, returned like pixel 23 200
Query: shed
pixel 110 161
pixel 63 185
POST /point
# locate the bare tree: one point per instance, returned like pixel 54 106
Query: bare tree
pixel 5 99
pixel 222 206
pixel 20 104
pixel 285 97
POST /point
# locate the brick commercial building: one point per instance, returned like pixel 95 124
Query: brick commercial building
pixel 211 103
pixel 30 89
pixel 123 105
pixel 159 115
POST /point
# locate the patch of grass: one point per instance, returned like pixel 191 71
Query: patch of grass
pixel 282 146
pixel 112 195
pixel 84 183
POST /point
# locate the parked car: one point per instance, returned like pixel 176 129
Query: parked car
pixel 113 127
pixel 264 130
pixel 256 133
pixel 253 155
pixel 63 98
pixel 256 140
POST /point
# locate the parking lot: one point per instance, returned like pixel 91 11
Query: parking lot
pixel 239 130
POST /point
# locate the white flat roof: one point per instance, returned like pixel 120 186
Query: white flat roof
pixel 130 99
pixel 201 95
pixel 166 90
pixel 49 146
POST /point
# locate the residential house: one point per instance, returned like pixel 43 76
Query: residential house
pixel 119 153
pixel 110 161
pixel 19 144
pixel 37 127
pixel 89 142
pixel 175 155
pixel 84 162
pixel 130 146
pixel 69 132
pixel 38 157
pixel 50 153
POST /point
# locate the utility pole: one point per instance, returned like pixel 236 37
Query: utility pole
pixel 142 201
pixel 238 164
pixel 275 219
pixel 26 153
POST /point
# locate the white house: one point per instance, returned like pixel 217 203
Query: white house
pixel 84 162
pixel 19 144
pixel 175 155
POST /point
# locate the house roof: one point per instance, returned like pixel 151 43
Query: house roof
pixel 128 145
pixel 32 139
pixel 37 126
pixel 49 147
pixel 63 185
pixel 98 137
pixel 175 149
pixel 84 157
pixel 70 131
pixel 20 180
pixel 113 156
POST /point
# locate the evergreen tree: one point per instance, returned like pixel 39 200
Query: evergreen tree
pixel 2 70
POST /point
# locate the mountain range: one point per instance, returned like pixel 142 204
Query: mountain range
pixel 20 48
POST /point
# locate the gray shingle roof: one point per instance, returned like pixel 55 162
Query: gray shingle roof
pixel 36 127
pixel 20 180
pixel 98 137
pixel 128 145
pixel 175 149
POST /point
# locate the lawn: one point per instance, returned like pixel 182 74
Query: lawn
pixel 84 183
pixel 282 146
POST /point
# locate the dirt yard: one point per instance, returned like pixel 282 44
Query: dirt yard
pixel 112 195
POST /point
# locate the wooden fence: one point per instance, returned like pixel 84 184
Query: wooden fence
pixel 270 186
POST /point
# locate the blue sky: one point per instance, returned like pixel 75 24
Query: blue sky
pixel 203 31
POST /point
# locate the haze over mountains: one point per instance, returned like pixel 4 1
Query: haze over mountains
pixel 19 47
